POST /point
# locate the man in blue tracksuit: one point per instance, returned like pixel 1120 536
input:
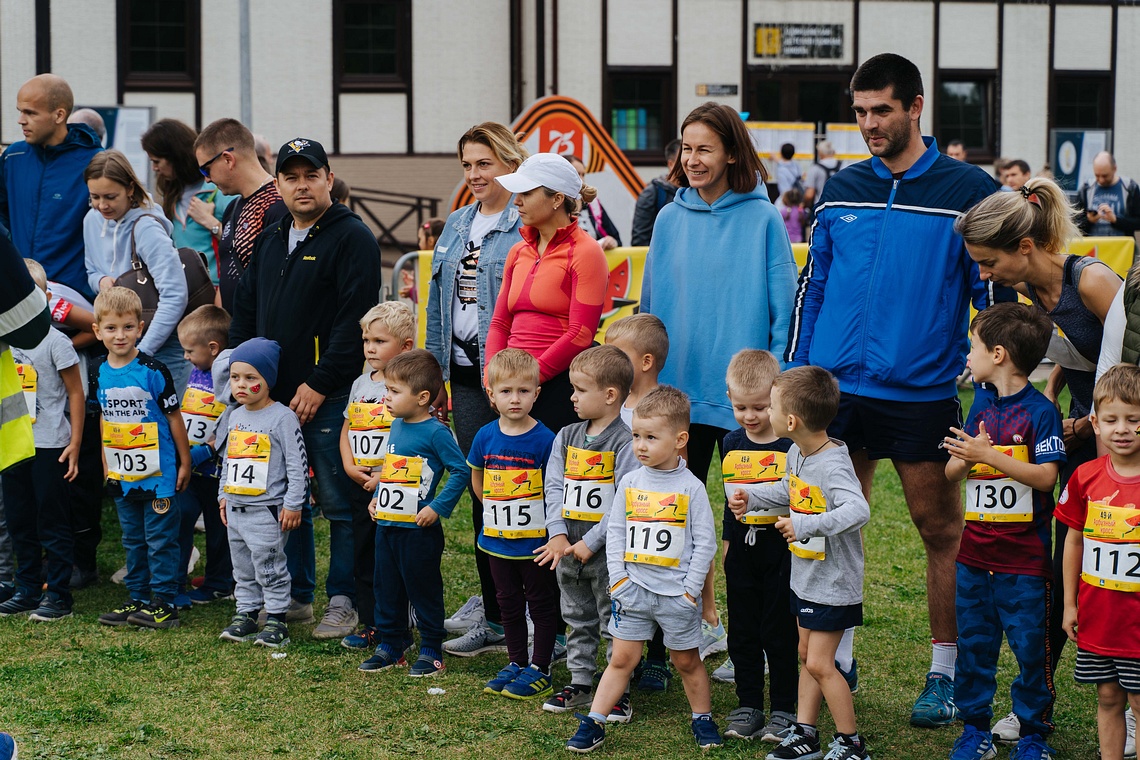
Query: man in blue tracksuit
pixel 883 304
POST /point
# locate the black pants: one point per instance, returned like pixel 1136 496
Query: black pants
pixel 760 620
pixel 407 570
pixel 553 407
pixel 702 439
pixel 86 496
pixel 202 499
pixel 363 554
pixel 36 504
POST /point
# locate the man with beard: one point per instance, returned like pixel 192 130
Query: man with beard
pixel 883 304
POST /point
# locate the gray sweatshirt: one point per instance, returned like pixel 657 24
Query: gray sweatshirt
pixel 836 580
pixel 698 536
pixel 616 439
pixel 287 474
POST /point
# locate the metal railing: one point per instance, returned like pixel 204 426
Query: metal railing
pixel 365 202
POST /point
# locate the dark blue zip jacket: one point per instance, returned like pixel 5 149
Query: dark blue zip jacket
pixel 883 301
pixel 43 200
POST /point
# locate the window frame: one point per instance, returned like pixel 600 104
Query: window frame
pixel 990 82
pixel 188 81
pixel 789 78
pixel 401 81
pixel 1108 98
pixel 667 77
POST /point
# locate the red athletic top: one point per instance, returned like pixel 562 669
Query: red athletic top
pixel 550 305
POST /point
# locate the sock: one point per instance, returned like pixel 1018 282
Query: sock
pixel 943 657
pixel 597 717
pixel 496 628
pixel 276 616
pixel 544 669
pixel 852 740
pixel 808 730
pixel 702 716
pixel 389 649
pixel 429 653
pixel 845 655
pixel 560 639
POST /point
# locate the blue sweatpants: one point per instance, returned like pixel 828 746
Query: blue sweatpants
pixel 988 605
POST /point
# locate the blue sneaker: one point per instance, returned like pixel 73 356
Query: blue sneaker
pixel 207 595
pixel 706 733
pixel 974 745
pixel 851 676
pixel 500 681
pixel 1032 747
pixel 20 603
pixel 7 747
pixel 590 735
pixel 369 638
pixel 427 664
pixel 935 706
pixel 383 660
pixel 530 683
pixel 183 602
pixel 654 676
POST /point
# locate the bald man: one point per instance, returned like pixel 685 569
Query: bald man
pixel 1111 204
pixel 43 197
pixel 91 118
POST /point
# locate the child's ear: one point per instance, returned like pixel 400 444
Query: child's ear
pixel 423 398
pixel 646 362
pixel 215 348
pixel 1000 355
pixel 537 390
pixel 682 439
pixel 409 344
pixel 611 395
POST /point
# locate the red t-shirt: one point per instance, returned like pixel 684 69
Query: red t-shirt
pixel 1108 620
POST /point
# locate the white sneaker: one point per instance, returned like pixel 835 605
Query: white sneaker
pixel 713 638
pixel 466 617
pixel 1130 737
pixel 477 640
pixel 726 673
pixel 120 576
pixel 340 619
pixel 200 526
pixel 1007 730
pixel 195 555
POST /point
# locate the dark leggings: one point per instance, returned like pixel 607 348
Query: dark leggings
pixel 553 407
pixel 521 584
pixel 702 439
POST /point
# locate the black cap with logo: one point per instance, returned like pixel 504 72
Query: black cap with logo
pixel 311 150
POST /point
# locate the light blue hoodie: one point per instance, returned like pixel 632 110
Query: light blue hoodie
pixel 721 278
pixel 107 245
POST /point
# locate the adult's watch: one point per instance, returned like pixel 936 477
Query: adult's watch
pixel 216 230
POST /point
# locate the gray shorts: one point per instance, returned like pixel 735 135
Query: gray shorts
pixel 636 613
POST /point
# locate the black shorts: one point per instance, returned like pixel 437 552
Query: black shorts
pixel 910 431
pixel 825 617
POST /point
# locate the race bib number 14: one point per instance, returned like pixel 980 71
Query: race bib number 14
pixel 247 463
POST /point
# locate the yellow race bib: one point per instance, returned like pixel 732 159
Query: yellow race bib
pixel 29 379
pixel 513 505
pixel 131 450
pixel 742 469
pixel 398 494
pixel 200 412
pixel 247 463
pixel 807 499
pixel 655 527
pixel 992 496
pixel 1111 556
pixel 588 487
pixel 368 428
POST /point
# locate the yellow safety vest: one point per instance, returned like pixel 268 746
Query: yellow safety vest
pixel 16 441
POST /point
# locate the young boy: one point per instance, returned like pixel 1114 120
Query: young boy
pixel 407 510
pixel 146 458
pixel 1102 606
pixel 660 542
pixel 1009 454
pixel 508 463
pixel 388 330
pixel 827 510
pixel 262 487
pixel 204 334
pixel 642 337
pixel 587 459
pixel 757 563
pixel 35 492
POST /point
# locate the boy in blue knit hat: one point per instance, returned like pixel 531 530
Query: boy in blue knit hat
pixel 262 487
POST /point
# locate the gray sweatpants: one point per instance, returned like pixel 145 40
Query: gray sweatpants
pixel 586 610
pixel 7 566
pixel 257 548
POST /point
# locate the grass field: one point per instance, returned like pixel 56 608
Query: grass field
pixel 74 689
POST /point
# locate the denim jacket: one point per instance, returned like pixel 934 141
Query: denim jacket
pixel 449 250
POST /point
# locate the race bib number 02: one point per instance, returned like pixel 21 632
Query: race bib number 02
pixel 247 463
pixel 398 494
pixel 28 381
pixel 992 496
pixel 200 412
pixel 131 449
pixel 655 527
pixel 513 505
pixel 589 484
pixel 368 428
pixel 742 469
pixel 807 499
pixel 1111 547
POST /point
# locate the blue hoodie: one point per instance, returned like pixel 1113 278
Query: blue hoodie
pixel 43 199
pixel 721 278
pixel 108 254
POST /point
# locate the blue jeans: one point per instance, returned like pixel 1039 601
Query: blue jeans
pixel 322 444
pixel 150 537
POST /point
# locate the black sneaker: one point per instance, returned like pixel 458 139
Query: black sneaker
pixel 155 615
pixel 274 635
pixel 242 628
pixel 119 615
pixel 797 746
pixel 81 578
pixel 52 608
pixel 7 590
pixel 19 604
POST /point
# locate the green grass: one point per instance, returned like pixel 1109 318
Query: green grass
pixel 74 689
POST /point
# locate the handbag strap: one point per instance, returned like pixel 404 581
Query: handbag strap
pixel 136 260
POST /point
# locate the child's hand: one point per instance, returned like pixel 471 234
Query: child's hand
pixel 1069 622
pixel 738 502
pixel 183 476
pixel 372 482
pixel 579 551
pixel 968 448
pixel 290 519
pixel 222 509
pixel 372 509
pixel 70 455
pixel 552 551
pixel 784 525
pixel 427 517
pixel 359 474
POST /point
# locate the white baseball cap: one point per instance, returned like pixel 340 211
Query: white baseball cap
pixel 548 170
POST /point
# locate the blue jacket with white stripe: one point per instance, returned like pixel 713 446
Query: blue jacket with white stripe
pixel 883 301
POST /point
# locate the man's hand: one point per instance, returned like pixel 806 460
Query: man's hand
pixel 427 517
pixel 440 404
pixel 1106 213
pixel 738 502
pixel 552 551
pixel 579 551
pixel 306 403
pixel 784 525
pixel 968 448
pixel 70 455
pixel 222 509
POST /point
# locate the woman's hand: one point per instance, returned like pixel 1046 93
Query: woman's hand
pixel 202 212
pixel 106 283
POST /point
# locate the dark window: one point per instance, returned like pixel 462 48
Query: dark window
pixel 966 113
pixel 781 95
pixel 1082 102
pixel 372 43
pixel 159 44
pixel 641 114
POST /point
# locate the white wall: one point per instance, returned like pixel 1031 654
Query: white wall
pixel 17 62
pixel 1125 137
pixel 167 105
pixel 221 66
pixel 906 29
pixel 640 33
pixel 700 58
pixel 84 44
pixel 460 69
pixel 1025 84
pixel 967 36
pixel 373 123
pixel 1083 37
pixel 579 46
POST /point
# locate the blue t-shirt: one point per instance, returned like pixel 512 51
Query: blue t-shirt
pixel 141 459
pixel 1113 197
pixel 525 456
pixel 1028 422
pixel 433 444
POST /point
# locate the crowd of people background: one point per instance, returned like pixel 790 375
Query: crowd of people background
pixel 251 413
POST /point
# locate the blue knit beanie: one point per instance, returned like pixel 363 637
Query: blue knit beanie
pixel 262 354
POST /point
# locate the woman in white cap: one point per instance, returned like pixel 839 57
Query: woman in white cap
pixel 554 283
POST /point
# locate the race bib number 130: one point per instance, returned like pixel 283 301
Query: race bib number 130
pixel 991 496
